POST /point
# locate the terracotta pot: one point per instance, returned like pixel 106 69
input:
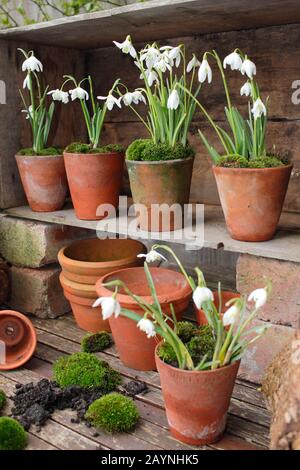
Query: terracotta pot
pixel 197 402
pixel 19 336
pixel 226 296
pixel 85 261
pixel 87 291
pixel 134 348
pixel 252 200
pixel 162 182
pixel 87 317
pixel 94 179
pixel 44 181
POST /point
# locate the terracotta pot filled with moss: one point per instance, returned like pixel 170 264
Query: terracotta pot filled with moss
pixel 160 180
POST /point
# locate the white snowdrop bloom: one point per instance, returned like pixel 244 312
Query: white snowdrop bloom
pixel 32 64
pixel 26 81
pixel 234 60
pixel 152 256
pixel 151 77
pixel 79 93
pixel 59 95
pixel 174 54
pixel 258 109
pixel 259 296
pixel 137 97
pixel 202 294
pixel 150 55
pixel 109 306
pixel 193 63
pixel 246 89
pixel 29 113
pixel 231 315
pixel 173 100
pixel 111 101
pixel 248 68
pixel 127 98
pixel 147 327
pixel 204 72
pixel 126 47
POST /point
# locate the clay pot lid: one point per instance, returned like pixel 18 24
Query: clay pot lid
pixel 19 337
pixel 171 285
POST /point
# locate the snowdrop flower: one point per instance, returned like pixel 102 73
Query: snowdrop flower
pixel 128 98
pixel 173 100
pixel 29 112
pixel 231 315
pixel 204 72
pixel 193 63
pixel 137 96
pixel 173 54
pixel 152 256
pixel 259 296
pixel 126 47
pixel 258 109
pixel 151 77
pixel 111 100
pixel 59 95
pixel 79 93
pixel 202 294
pixel 26 82
pixel 151 55
pixel 234 60
pixel 162 65
pixel 246 89
pixel 248 68
pixel 32 64
pixel 147 326
pixel 109 306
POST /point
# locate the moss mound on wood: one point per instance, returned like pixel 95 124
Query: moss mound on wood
pixel 12 434
pixel 50 151
pixel 85 370
pixel 146 150
pixel 2 400
pixel 113 412
pixel 236 161
pixel 97 342
pixel 79 147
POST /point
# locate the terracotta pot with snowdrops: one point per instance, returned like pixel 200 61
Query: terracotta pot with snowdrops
pixel 197 365
pixel 160 167
pixel 94 171
pixel 252 180
pixel 41 168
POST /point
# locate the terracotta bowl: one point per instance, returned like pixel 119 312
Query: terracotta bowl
pixel 85 261
pixel 87 317
pixel 19 337
pixel 226 296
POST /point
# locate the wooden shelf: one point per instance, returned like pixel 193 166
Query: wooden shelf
pixel 285 245
pixel 157 19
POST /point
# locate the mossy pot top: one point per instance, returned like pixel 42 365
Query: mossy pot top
pixel 178 161
pixel 78 148
pixel 48 152
pixel 249 171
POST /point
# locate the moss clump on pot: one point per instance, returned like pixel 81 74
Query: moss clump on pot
pixel 12 434
pixel 146 150
pixel 167 354
pixel 97 342
pixel 50 151
pixel 2 400
pixel 237 161
pixel 186 330
pixel 85 370
pixel 203 343
pixel 113 412
pixel 79 147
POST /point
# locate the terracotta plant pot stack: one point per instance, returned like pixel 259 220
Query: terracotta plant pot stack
pixel 83 263
pixel 225 297
pixel 135 349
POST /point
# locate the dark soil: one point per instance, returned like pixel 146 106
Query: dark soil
pixel 133 388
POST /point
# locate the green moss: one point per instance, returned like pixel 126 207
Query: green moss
pixel 2 400
pixel 146 150
pixel 96 342
pixel 167 354
pixel 79 147
pixel 236 161
pixel 201 344
pixel 12 434
pixel 113 412
pixel 45 152
pixel 85 370
pixel 186 330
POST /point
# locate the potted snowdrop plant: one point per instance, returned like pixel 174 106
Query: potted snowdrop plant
pixel 160 167
pixel 41 167
pixel 94 171
pixel 252 181
pixel 197 365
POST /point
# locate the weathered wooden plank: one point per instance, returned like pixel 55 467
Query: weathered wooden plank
pixel 251 432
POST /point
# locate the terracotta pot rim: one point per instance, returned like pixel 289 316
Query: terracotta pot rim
pixel 178 294
pixel 87 302
pixel 103 154
pixel 76 285
pixel 159 162
pixel 65 260
pixel 187 372
pixel 39 156
pixel 252 170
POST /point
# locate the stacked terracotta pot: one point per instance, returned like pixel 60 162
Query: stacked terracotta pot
pixel 83 263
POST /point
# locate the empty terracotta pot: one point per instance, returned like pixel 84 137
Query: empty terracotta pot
pixel 94 180
pixel 87 317
pixel 134 348
pixel 252 200
pixel 44 181
pixel 85 261
pixel 197 402
pixel 226 296
pixel 19 337
pixel 156 183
